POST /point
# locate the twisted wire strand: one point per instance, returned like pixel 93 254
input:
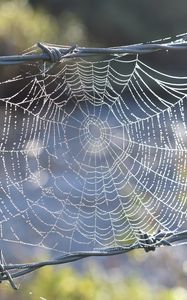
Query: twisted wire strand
pixel 54 53
pixel 149 243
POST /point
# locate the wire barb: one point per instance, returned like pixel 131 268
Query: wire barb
pixel 151 242
pixel 147 241
pixel 4 274
pixel 54 53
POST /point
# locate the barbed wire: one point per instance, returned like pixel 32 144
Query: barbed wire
pixel 146 242
pixel 54 53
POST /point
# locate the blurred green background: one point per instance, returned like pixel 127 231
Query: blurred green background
pixel 86 22
pixel 139 276
pixel 23 23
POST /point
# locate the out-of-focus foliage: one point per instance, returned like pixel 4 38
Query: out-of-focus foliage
pixel 113 22
pixel 87 22
pixel 21 26
pixel 67 284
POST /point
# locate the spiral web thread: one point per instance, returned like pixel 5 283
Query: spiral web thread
pixel 92 155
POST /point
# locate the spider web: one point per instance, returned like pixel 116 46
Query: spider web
pixel 92 152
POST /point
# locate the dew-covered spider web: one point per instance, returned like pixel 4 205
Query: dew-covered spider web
pixel 93 151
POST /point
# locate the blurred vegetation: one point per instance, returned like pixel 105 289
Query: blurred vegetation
pixel 23 23
pixel 86 22
pixel 67 284
pixel 21 26
pixel 113 22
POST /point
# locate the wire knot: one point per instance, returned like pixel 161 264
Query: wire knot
pixel 151 242
pixel 54 54
pixel 147 241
